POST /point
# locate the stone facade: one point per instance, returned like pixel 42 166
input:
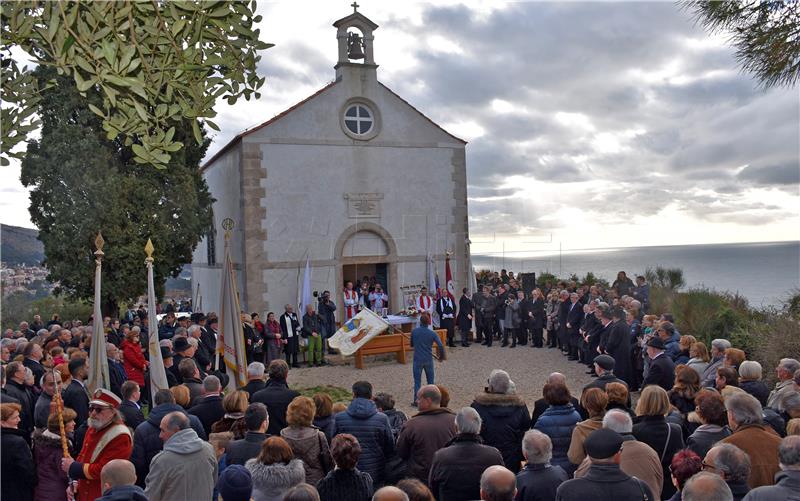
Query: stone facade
pixel 352 175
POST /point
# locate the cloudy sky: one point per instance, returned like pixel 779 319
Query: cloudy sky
pixel 589 124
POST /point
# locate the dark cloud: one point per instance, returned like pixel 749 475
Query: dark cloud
pixel 770 175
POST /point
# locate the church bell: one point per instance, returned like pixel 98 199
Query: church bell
pixel 354 46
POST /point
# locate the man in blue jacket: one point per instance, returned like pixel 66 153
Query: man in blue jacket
pixel 370 427
pixel 422 339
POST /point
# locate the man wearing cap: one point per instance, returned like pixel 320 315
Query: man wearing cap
pixel 662 368
pixel 604 480
pixel 107 438
pixel 167 357
pixel 604 368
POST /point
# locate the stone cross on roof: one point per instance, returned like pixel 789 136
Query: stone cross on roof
pixel 355 6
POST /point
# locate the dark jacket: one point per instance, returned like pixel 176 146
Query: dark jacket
pixel 604 482
pixel 146 442
pixel 704 438
pixel 786 488
pixel 116 376
pixel 27 402
pixel 505 420
pixel 371 428
pixel 423 435
pixel 465 308
pixel 325 424
pixel 541 405
pixel 277 396
pixel 396 420
pixel 603 380
pixel 653 431
pixel 456 469
pixel 131 413
pixel 352 485
pixel 76 397
pixel 16 462
pixel 37 368
pixel 557 422
pixel 539 482
pixel 618 345
pixel 756 388
pixel 253 386
pixel 738 489
pixel 312 323
pixel 41 411
pixel 208 410
pixel 325 310
pixel 124 493
pixel 661 372
pixel 239 451
pixel 47 455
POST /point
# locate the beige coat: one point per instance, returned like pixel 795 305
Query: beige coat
pixel 638 460
pixel 576 452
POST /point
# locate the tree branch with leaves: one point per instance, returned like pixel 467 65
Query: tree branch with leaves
pixel 154 63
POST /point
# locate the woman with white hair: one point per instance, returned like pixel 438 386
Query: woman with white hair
pixel 750 381
pixel 505 418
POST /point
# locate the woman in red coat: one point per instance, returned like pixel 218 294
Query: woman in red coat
pixel 133 359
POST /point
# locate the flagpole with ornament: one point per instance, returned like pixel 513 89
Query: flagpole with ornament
pixel 98 361
pixel 230 341
pixel 158 373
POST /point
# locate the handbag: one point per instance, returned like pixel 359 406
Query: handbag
pixel 325 460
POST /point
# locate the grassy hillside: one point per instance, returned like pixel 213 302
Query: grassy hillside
pixel 19 245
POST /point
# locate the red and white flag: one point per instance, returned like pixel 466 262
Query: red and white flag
pixel 448 276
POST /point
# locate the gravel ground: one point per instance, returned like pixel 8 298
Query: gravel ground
pixel 464 373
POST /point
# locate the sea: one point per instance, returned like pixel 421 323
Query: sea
pixel 764 273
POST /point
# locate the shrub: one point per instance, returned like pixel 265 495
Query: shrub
pixel 665 278
pixel 545 277
pixel 775 337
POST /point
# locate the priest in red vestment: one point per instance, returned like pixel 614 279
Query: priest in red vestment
pixel 107 438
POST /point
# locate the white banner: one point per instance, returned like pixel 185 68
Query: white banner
pixel 358 331
pixel 230 341
pixel 158 373
pixel 98 358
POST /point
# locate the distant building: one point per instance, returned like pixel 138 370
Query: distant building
pixel 353 177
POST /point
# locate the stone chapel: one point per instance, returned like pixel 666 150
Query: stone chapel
pixel 353 178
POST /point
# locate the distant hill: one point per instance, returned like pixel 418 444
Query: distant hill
pixel 20 246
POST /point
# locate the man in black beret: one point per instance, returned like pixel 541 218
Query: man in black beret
pixel 604 368
pixel 604 481
pixel 662 368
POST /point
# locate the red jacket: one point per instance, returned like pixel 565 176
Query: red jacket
pixel 91 463
pixel 134 361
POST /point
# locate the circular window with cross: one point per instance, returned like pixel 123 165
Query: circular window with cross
pixel 360 120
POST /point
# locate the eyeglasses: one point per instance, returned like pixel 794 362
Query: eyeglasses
pixel 707 466
pixel 96 408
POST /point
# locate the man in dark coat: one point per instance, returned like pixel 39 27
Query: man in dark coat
pixel 563 312
pixel 255 379
pixel 539 480
pixel 325 308
pixel 456 468
pixel 662 368
pixel 146 440
pixel 290 331
pixel 604 367
pixel 116 371
pixel 33 357
pixel 426 432
pixel 371 428
pixel 256 420
pixel 15 386
pixel 485 310
pixel 208 408
pixel 129 408
pixel 465 315
pixel 536 319
pixel 618 345
pixel 75 395
pixel 505 418
pixel 605 481
pixel 574 321
pixel 276 395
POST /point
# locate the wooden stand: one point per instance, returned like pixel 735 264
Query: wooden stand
pixel 398 344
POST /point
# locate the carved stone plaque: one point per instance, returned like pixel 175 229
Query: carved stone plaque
pixel 363 205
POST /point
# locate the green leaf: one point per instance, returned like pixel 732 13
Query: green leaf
pixel 178 27
pixel 97 111
pixel 84 64
pixel 109 51
pixel 140 111
pixel 67 44
pixel 197 135
pixel 82 85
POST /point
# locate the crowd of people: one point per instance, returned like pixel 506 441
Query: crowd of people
pixel 705 424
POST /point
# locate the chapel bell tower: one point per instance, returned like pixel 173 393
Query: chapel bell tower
pixel 355 41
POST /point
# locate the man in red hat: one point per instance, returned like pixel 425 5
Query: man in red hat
pixel 107 438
